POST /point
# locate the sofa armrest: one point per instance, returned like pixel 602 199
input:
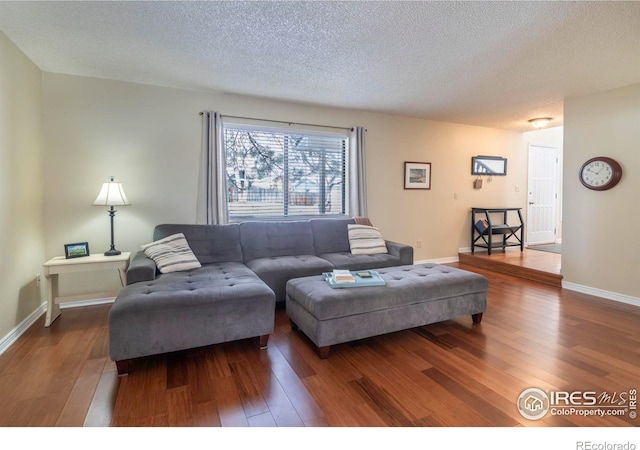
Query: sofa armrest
pixel 141 268
pixel 403 251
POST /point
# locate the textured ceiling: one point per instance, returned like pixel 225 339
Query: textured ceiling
pixel 493 64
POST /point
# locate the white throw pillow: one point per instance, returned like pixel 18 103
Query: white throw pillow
pixel 365 240
pixel 172 254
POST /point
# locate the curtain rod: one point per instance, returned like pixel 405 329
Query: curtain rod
pixel 285 122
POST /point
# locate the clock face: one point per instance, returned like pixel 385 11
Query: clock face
pixel 600 173
pixel 597 173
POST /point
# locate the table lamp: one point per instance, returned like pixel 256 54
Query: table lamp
pixel 111 195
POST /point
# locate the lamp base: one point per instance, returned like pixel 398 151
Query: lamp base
pixel 112 252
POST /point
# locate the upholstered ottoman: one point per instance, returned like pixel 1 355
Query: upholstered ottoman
pixel 414 295
pixel 217 303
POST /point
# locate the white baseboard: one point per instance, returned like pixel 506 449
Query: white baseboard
pixel 23 326
pixel 92 302
pixel 451 259
pixel 601 293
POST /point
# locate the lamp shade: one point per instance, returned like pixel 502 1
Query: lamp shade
pixel 111 194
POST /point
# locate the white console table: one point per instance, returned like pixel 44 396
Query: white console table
pixel 60 265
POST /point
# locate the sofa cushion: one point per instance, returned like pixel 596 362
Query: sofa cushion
pixel 276 271
pixel 365 240
pixel 210 243
pixel 330 235
pixel 171 254
pixel 349 261
pixel 271 239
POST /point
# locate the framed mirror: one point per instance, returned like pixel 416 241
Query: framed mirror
pixel 488 165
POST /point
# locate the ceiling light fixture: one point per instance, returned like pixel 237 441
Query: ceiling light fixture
pixel 540 122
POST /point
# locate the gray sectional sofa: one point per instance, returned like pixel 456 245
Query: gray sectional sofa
pixel 244 273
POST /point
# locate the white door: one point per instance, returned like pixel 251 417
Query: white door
pixel 543 195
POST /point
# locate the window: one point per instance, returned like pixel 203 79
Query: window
pixel 275 173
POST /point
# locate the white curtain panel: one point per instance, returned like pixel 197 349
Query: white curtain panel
pixel 357 173
pixel 212 184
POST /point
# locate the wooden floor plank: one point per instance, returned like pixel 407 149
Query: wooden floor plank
pixel 179 407
pixel 103 401
pixel 385 405
pixel 229 403
pixel 76 409
pixel 490 413
pixel 205 414
pixel 393 381
pixel 264 419
pixel 304 404
pixel 249 389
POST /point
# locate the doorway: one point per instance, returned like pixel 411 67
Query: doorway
pixel 542 202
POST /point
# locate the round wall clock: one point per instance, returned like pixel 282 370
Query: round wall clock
pixel 600 173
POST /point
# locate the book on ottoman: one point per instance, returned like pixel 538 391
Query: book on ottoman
pixel 343 276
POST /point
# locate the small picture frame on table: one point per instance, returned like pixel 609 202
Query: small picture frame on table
pixel 77 250
pixel 417 175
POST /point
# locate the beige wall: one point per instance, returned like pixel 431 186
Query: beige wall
pixel 21 187
pixel 149 138
pixel 600 243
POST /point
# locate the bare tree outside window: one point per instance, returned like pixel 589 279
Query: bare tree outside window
pixel 276 174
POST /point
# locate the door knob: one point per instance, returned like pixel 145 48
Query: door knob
pixel 531 203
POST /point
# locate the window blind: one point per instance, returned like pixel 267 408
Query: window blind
pixel 275 173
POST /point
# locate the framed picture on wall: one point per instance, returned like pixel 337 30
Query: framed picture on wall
pixel 76 250
pixel 417 175
pixel 488 165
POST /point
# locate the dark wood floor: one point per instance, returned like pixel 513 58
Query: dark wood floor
pixel 448 374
